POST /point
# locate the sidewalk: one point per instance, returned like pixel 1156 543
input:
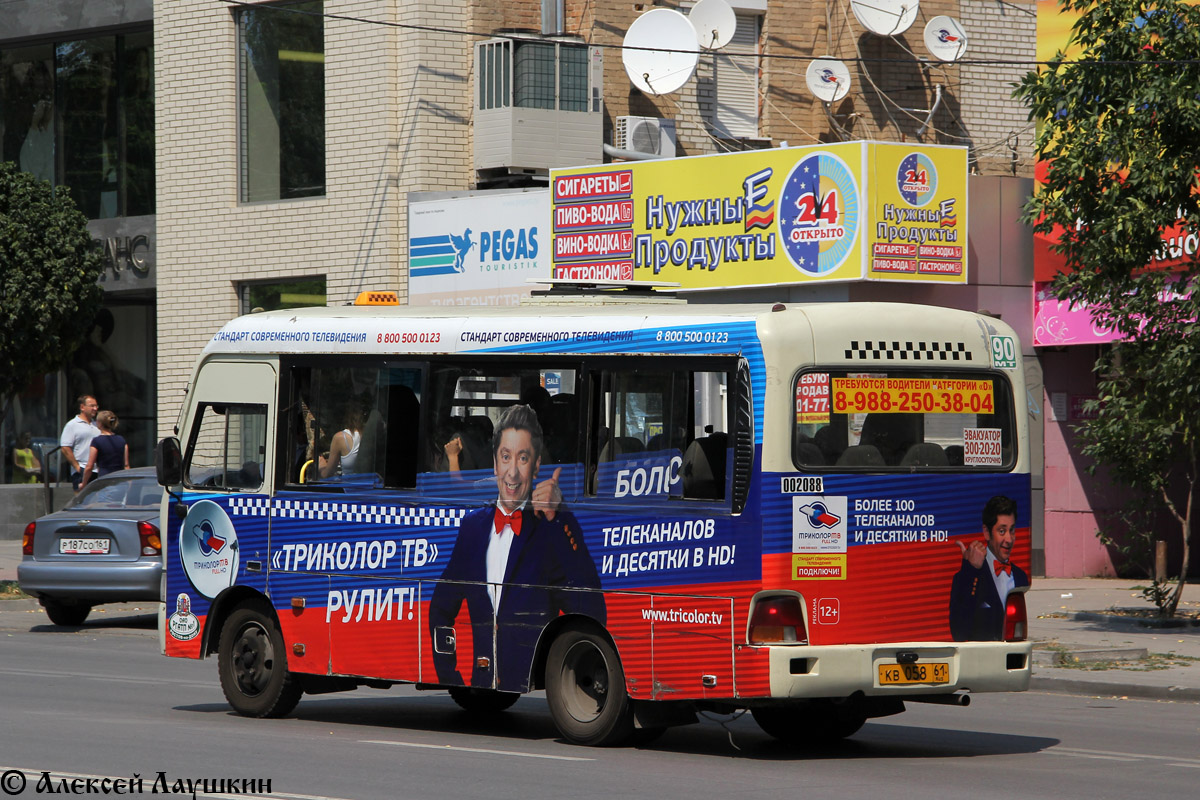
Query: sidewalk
pixel 1108 649
pixel 1114 658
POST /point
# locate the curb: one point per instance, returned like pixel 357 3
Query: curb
pixel 1110 620
pixel 1087 655
pixel 1106 689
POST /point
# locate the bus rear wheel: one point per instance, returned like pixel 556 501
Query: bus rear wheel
pixel 814 723
pixel 585 688
pixel 253 665
pixel 482 701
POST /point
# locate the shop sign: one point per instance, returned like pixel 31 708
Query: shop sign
pixel 826 213
pixel 478 249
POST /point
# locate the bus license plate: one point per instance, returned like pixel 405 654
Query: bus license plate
pixel 83 546
pixel 930 672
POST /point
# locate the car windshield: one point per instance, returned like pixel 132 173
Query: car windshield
pixel 142 492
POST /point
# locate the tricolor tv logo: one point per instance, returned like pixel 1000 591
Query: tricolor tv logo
pixel 208 549
pixel 818 524
pixel 819 516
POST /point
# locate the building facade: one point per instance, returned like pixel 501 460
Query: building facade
pixel 290 135
pixel 77 109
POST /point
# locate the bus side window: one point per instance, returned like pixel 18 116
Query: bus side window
pixel 228 447
pixel 649 422
pixel 352 426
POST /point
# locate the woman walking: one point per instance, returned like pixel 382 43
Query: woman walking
pixel 109 451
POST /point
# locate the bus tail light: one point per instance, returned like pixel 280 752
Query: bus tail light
pixel 777 619
pixel 1016 621
pixel 27 539
pixel 148 534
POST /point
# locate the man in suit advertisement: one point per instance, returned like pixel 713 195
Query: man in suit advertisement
pixel 979 593
pixel 517 564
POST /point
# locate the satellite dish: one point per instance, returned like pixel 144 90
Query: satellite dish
pixel 714 22
pixel 945 39
pixel 885 17
pixel 672 55
pixel 828 79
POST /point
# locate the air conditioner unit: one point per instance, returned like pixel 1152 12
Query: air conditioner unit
pixel 646 135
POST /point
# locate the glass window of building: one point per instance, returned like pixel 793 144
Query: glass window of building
pixel 734 90
pixel 27 108
pixel 274 295
pixel 81 113
pixel 282 101
pixel 88 138
pixel 136 60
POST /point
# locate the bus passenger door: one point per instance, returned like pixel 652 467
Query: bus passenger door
pixel 351 536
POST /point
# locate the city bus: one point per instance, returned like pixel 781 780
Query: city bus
pixel 644 507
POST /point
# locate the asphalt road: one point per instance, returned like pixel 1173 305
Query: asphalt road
pixel 100 701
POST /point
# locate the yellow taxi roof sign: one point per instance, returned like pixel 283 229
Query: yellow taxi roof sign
pixel 377 298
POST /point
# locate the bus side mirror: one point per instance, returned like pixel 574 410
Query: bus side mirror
pixel 168 462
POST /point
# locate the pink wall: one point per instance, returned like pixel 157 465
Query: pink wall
pixel 1073 499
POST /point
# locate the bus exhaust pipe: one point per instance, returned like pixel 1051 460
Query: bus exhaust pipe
pixel 960 700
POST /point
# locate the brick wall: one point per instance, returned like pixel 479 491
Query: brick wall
pixel 893 78
pixel 398 111
pixel 396 120
pixel 1001 134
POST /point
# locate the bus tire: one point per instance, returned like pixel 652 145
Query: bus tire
pixel 482 701
pixel 585 689
pixel 253 665
pixel 815 723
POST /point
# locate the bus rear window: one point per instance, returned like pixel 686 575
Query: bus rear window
pixel 903 421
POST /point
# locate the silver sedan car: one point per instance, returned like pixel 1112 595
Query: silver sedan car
pixel 102 547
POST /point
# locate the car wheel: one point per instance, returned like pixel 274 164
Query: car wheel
pixel 482 701
pixel 253 665
pixel 815 723
pixel 585 689
pixel 68 615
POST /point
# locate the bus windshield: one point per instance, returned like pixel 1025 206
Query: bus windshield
pixel 902 420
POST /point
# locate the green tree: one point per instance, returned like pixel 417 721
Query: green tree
pixel 48 271
pixel 1121 135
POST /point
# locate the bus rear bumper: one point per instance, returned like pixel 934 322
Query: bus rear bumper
pixel 900 669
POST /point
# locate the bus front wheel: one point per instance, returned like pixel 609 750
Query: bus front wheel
pixel 585 689
pixel 253 665
pixel 817 722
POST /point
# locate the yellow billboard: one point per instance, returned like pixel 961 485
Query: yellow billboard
pixel 835 212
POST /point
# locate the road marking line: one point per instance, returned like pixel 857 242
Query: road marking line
pixel 50 673
pixel 1080 751
pixel 453 748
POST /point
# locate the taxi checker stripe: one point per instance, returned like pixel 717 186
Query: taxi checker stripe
pixel 916 351
pixel 348 512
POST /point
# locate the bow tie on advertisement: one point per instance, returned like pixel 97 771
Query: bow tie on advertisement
pixel 996 565
pixel 512 520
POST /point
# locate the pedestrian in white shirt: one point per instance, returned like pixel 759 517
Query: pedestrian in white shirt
pixel 76 439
